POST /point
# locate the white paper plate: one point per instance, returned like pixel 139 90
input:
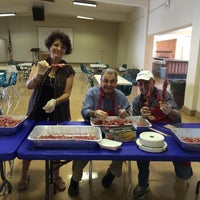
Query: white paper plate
pixel 151 149
pixel 109 144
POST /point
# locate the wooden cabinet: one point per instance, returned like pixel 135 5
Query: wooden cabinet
pixel 166 48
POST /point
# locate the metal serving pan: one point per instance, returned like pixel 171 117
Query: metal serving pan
pixel 141 124
pixel 9 125
pixel 136 121
pixel 112 121
pixel 64 136
pixel 187 138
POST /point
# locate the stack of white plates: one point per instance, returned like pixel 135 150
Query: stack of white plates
pixel 151 142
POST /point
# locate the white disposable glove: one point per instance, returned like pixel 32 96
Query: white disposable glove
pixel 50 106
pixel 165 108
pixel 145 112
pixel 100 114
pixel 43 66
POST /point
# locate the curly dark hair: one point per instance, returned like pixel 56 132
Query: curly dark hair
pixel 64 39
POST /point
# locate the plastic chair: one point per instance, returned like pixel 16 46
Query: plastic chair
pixel 88 71
pixel 124 66
pixel 126 89
pixel 5 84
pixel 90 81
pixel 133 74
pixel 85 71
pixel 23 73
pixel 13 81
pixel 107 66
pixel 20 72
pixel 82 75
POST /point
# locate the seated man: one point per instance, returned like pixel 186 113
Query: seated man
pixel 101 101
pixel 155 105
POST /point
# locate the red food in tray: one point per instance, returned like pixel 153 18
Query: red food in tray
pixel 9 121
pixel 111 121
pixel 191 140
pixel 67 137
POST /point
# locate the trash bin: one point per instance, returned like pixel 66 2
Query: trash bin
pixel 162 72
pixel 177 88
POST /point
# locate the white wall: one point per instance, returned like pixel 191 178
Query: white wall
pixel 3 50
pixel 132 38
pixel 135 42
pixel 93 41
pixel 182 13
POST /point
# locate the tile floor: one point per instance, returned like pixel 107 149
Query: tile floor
pixel 164 185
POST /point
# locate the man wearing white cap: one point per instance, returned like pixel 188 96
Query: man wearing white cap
pixel 156 105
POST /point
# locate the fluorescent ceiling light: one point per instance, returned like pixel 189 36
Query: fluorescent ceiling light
pixel 82 17
pixel 85 3
pixel 7 14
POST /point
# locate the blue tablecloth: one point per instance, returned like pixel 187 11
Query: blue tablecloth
pixel 9 144
pixel 128 151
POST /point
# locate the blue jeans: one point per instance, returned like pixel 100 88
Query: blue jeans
pixel 182 170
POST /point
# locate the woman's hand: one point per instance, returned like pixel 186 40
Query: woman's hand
pixel 100 114
pixel 43 67
pixel 50 106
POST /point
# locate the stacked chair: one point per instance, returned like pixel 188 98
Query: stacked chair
pixel 5 84
pixel 85 72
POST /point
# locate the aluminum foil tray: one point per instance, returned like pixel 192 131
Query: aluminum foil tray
pixel 112 121
pixel 9 125
pixel 187 138
pixel 141 124
pixel 63 136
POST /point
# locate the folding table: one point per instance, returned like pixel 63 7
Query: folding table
pixel 128 151
pixel 8 149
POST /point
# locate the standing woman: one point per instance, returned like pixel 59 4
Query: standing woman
pixel 51 81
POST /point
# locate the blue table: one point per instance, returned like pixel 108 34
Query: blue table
pixel 8 149
pixel 128 151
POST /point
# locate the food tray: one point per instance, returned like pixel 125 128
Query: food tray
pixel 141 124
pixel 122 133
pixel 74 136
pixel 9 125
pixel 111 121
pixel 187 138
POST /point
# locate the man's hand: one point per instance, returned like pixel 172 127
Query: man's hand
pixel 122 113
pixel 43 66
pixel 100 114
pixel 165 107
pixel 50 106
pixel 145 112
